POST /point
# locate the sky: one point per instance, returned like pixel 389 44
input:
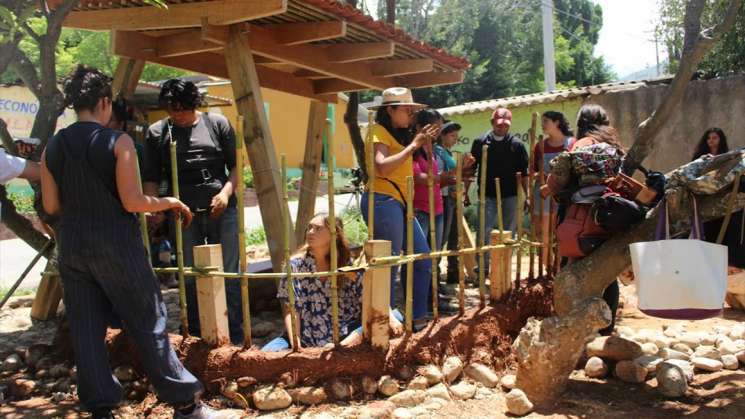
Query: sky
pixel 625 38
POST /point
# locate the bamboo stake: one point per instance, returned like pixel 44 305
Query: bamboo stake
pixel 179 241
pixel 500 222
pixel 482 222
pixel 288 267
pixel 520 211
pixel 550 271
pixel 460 226
pixel 432 230
pixel 370 160
pixel 541 250
pixel 242 259
pixel 531 189
pixel 409 251
pixel 332 229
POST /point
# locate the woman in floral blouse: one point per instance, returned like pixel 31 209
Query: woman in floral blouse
pixel 313 294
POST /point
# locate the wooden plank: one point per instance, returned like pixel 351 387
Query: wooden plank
pixel 347 53
pixel 47 299
pixel 184 44
pixel 469 241
pixel 430 79
pixel 211 299
pixel 376 297
pixel 305 32
pixel 309 74
pixel 496 266
pixel 311 168
pixel 214 33
pixel 218 12
pixel 390 68
pixel 258 139
pixel 133 44
pixel 126 77
pixel 327 86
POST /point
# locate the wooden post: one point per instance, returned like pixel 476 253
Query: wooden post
pixel 47 299
pixel 461 227
pixel 126 77
pixel 497 282
pixel 482 223
pixel 409 291
pixel 376 296
pixel 213 308
pixel 333 260
pixel 242 258
pixel 467 241
pixel 531 188
pixel 258 140
pixel 506 261
pixel 520 210
pixel 311 168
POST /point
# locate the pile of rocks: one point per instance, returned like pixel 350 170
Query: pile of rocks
pixel 671 355
pixel 31 372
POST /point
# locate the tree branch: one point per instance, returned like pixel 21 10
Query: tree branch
pixel 30 32
pixel 26 71
pixel 696 46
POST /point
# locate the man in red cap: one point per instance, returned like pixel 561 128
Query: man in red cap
pixel 506 156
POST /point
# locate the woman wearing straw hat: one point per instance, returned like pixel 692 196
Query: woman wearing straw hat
pixel 394 144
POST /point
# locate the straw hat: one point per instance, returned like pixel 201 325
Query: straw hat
pixel 399 96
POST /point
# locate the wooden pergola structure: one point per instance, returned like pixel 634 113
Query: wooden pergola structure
pixel 310 48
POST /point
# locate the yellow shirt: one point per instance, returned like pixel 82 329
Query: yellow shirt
pixel 397 176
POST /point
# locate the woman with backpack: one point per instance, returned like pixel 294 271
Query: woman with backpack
pixel 559 138
pixel 394 145
pixel 578 178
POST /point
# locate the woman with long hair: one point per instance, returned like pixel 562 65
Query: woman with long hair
pixel 558 139
pixel 423 158
pixel 313 294
pixel 713 142
pixel 89 182
pixel 394 144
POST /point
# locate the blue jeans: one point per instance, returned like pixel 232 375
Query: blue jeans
pixel 281 343
pixel 223 231
pixel 423 219
pixel 390 224
pixel 509 221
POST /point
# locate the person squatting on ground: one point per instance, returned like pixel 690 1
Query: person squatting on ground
pixel 394 144
pixel 506 156
pixel 89 182
pixel 559 138
pixel 601 152
pixel 205 147
pixel 313 294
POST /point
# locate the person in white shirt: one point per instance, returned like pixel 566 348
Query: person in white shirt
pixel 12 167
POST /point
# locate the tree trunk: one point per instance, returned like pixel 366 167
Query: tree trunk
pixel 355 135
pixel 390 12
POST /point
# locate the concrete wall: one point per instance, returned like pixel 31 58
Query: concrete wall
pixel 707 103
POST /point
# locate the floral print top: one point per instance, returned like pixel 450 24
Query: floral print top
pixel 313 303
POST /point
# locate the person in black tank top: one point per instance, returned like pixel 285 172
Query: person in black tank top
pixel 89 183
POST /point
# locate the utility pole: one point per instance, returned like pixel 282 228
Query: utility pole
pixel 549 67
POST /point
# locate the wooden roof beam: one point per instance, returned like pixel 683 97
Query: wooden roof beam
pixel 134 44
pixel 391 68
pixel 323 87
pixel 214 33
pixel 430 79
pixel 183 15
pixel 347 53
pixel 305 32
pixel 185 43
pixel 310 74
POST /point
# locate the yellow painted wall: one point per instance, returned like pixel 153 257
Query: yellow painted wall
pixel 288 122
pixel 18 108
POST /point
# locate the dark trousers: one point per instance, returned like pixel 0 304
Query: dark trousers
pixel 120 284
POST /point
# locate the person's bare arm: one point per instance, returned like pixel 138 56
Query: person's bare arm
pixel 220 201
pixel 31 172
pixel 385 164
pixel 288 326
pixel 132 198
pixel 49 190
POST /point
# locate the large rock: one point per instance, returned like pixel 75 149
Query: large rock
pixel 408 398
pixel 406 373
pixel 668 353
pixel 707 364
pixel 518 403
pixel 614 348
pixel 33 354
pixel 708 339
pixel 439 391
pixel 381 409
pixel 662 341
pixel 59 370
pixel 692 340
pixel 682 347
pixel 452 368
pixel 596 368
pixel 402 413
pixel 730 362
pixel 727 347
pixel 463 391
pixel 741 356
pixel 388 386
pixel 12 363
pixel 673 331
pixel 630 372
pixel 737 331
pixel 684 366
pixel 369 385
pixel 340 389
pixel 706 351
pixel 418 383
pixel 263 328
pixel 21 387
pixel 671 380
pixel 308 396
pixel 432 373
pixel 650 348
pixel 271 398
pixel 649 362
pixel 508 381
pixel 482 374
